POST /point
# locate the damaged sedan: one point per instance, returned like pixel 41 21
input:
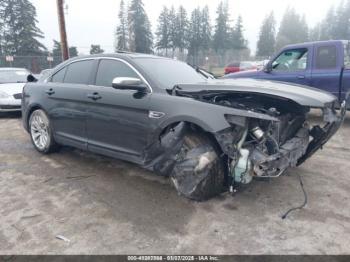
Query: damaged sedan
pixel 206 135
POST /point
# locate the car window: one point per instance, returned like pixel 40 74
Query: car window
pixel 168 72
pixel 291 60
pixel 79 72
pixel 326 57
pixel 234 64
pixel 347 55
pixel 246 65
pixel 59 76
pixel 109 69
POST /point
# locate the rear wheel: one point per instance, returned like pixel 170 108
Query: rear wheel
pixel 199 171
pixel 40 132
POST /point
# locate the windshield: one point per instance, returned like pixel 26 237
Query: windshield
pixel 13 76
pixel 168 73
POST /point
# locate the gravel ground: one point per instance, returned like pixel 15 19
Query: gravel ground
pixel 107 206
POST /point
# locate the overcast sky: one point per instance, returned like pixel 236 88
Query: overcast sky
pixel 94 22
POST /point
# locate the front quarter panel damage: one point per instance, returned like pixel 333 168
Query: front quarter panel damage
pixel 262 141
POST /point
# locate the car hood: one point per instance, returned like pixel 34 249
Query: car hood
pixel 12 88
pixel 303 95
pixel 243 74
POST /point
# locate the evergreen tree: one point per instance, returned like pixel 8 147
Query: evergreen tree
pixel 315 32
pixel 267 37
pixel 237 41
pixel 341 29
pixel 194 35
pixel 327 26
pixel 2 27
pixel 19 32
pixel 182 24
pixel 221 38
pixel 57 51
pixel 172 29
pixel 122 28
pixel 205 29
pixel 140 35
pixel 293 29
pixel 96 49
pixel 162 34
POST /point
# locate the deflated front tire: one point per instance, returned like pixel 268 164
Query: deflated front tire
pixel 199 171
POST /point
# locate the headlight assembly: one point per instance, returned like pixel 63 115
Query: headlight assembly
pixel 4 95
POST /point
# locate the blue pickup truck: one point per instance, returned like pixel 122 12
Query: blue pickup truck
pixel 324 65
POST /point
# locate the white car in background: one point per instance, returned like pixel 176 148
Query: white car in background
pixel 12 81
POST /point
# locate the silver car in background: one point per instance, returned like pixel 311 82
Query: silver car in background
pixel 12 81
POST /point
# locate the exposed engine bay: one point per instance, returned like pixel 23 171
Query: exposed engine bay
pixel 264 135
pixel 266 148
pixel 263 148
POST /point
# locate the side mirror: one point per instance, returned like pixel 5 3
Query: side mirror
pixel 31 78
pixel 268 67
pixel 129 83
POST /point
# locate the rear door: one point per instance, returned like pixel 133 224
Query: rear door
pixel 327 66
pixel 118 122
pixel 291 65
pixel 67 91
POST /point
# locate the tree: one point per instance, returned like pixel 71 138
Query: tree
pixel 182 24
pixel 140 35
pixel 237 41
pixel 293 29
pixel 19 32
pixel 205 29
pixel 96 49
pixel 315 32
pixel 341 28
pixel 194 37
pixel 122 29
pixel 267 37
pixel 327 26
pixel 172 29
pixel 2 27
pixel 221 38
pixel 57 51
pixel 162 33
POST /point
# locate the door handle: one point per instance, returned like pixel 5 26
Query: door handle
pixel 94 96
pixel 50 91
pixel 301 77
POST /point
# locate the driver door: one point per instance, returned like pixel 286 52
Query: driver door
pixel 118 122
pixel 291 66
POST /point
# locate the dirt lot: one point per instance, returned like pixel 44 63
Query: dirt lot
pixel 106 206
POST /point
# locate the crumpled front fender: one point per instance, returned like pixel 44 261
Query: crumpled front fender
pixel 321 135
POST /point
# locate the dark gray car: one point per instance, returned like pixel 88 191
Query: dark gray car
pixel 205 134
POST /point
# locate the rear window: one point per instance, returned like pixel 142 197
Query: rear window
pixel 79 72
pixel 347 55
pixel 234 64
pixel 326 57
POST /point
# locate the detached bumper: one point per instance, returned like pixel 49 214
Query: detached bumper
pixel 321 135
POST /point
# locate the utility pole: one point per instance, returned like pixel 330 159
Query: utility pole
pixel 62 26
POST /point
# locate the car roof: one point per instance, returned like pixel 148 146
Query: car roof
pixel 308 44
pixel 121 54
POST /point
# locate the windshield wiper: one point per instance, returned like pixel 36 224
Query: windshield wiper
pixel 202 71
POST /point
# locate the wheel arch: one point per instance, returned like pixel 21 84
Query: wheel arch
pixel 29 113
pixel 195 126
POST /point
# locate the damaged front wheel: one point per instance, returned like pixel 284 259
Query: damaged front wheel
pixel 199 171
